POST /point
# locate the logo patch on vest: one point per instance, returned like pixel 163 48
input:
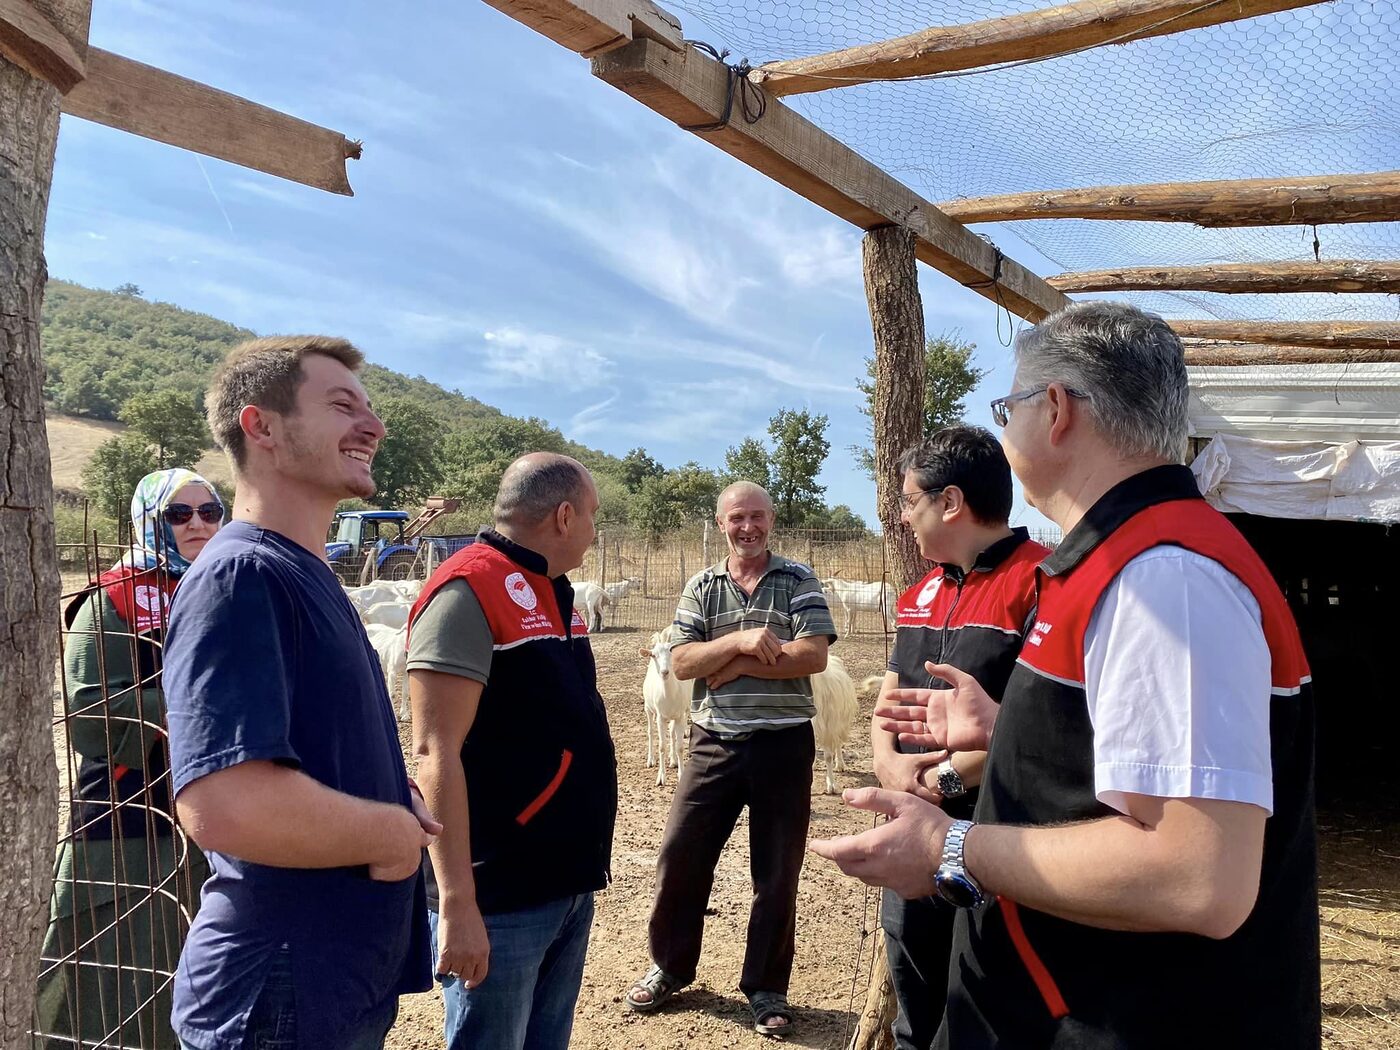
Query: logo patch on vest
pixel 521 593
pixel 929 592
pixel 151 605
pixel 1038 632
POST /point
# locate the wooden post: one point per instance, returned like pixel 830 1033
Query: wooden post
pixel 29 594
pixel 897 320
pixel 875 1029
pixel 705 545
pixel 602 559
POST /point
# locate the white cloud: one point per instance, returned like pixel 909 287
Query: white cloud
pixel 517 356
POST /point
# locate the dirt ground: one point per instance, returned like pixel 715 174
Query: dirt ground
pixel 1360 910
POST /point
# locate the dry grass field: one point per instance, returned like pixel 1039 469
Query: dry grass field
pixel 73 440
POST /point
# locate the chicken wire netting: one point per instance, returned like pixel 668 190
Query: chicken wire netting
pixel 1306 92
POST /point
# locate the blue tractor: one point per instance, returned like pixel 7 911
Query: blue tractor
pixel 386 545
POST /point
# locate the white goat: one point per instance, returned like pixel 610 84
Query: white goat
pixel 590 599
pixel 372 594
pixel 621 589
pixel 389 613
pixel 391 645
pixel 665 699
pixel 850 596
pixel 834 695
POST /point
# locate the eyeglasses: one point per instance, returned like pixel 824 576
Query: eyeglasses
pixel 1001 407
pixel 179 513
pixel 910 500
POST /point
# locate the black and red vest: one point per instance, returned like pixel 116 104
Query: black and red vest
pixel 973 620
pixel 108 796
pixel 539 760
pixel 1022 978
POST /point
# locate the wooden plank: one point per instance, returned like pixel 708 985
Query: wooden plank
pixel 33 43
pixel 1015 38
pixel 1343 275
pixel 158 105
pixel 1234 354
pixel 1244 202
pixel 594 27
pixel 690 88
pixel 1355 335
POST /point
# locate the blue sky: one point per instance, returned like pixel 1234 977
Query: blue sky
pixel 520 231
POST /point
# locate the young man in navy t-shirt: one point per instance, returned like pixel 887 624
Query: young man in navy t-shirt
pixel 284 749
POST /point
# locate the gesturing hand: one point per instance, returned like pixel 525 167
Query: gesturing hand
pixel 956 719
pixel 902 853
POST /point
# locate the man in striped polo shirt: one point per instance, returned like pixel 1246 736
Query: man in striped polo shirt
pixel 753 630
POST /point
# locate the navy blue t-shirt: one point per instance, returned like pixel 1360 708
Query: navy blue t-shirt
pixel 266 660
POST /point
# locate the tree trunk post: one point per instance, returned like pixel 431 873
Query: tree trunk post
pixel 29 588
pixel 897 320
pixel 875 1029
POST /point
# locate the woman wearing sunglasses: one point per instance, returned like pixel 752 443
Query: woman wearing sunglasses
pixel 124 937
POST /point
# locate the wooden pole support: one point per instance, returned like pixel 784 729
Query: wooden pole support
pixel 1241 202
pixel 32 42
pixel 1217 353
pixel 1353 335
pixel 1344 275
pixel 1014 38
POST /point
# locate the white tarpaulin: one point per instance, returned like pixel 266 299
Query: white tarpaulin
pixel 1320 480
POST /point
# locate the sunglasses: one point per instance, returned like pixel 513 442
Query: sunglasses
pixel 179 513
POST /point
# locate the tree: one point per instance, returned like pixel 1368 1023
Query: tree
pixel 112 473
pixel 406 467
pixel 800 448
pixel 476 455
pixel 839 518
pixel 128 290
pixel 694 490
pixel 171 423
pixel 637 466
pixel 748 461
pixel 29 622
pixel 949 376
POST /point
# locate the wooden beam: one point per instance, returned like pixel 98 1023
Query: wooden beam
pixel 1015 38
pixel 1356 335
pixel 32 42
pixel 158 105
pixel 1216 353
pixel 691 89
pixel 1343 275
pixel 1243 202
pixel 595 27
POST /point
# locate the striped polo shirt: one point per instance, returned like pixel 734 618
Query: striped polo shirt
pixel 788 600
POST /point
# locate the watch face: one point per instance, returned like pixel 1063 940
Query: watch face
pixel 958 889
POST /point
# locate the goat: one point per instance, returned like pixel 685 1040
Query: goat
pixel 666 699
pixel 391 645
pixel 590 599
pixel 615 592
pixel 388 613
pixel 834 695
pixel 851 596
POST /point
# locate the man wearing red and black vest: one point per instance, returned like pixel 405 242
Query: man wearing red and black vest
pixel 1141 869
pixel 970 611
pixel 495 644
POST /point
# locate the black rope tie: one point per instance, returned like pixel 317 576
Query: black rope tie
pixel 753 102
pixel 995 285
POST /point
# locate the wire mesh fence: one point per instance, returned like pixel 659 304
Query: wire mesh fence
pixel 126 879
pixel 643 575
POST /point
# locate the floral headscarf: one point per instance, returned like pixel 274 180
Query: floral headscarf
pixel 153 494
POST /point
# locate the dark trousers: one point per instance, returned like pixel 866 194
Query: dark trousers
pixel 918 946
pixel 769 771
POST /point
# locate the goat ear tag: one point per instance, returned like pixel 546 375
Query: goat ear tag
pixel 521 593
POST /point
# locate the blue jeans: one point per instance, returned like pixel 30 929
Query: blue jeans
pixel 272 1024
pixel 532 979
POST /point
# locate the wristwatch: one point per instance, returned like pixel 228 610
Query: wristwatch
pixel 950 785
pixel 953 882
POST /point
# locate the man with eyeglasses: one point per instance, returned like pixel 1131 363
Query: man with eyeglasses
pixel 1142 863
pixel 969 611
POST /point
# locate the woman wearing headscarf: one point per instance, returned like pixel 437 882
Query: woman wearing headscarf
pixel 125 938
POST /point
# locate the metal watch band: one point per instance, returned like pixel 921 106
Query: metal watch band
pixel 953 844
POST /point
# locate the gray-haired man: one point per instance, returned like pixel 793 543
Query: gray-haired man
pixel 527 815
pixel 1142 866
